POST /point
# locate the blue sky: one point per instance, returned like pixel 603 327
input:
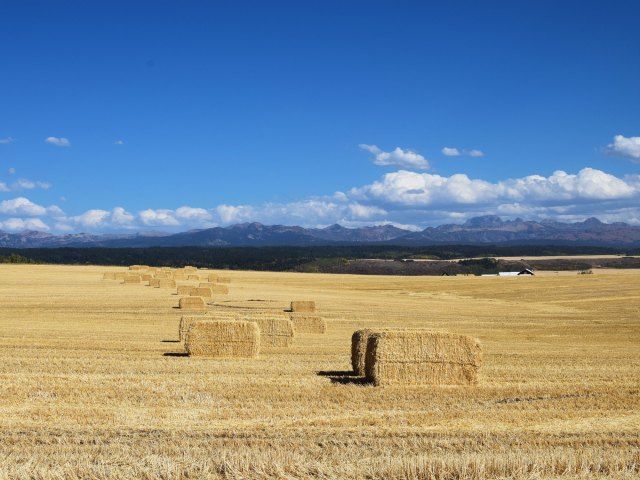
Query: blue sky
pixel 170 115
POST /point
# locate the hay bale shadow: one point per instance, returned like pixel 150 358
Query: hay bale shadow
pixel 336 373
pixel 344 377
pixel 170 341
pixel 175 354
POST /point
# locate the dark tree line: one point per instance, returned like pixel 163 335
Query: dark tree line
pixel 282 258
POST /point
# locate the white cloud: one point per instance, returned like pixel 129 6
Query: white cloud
pixel 365 211
pixel 414 189
pixel 155 218
pixel 628 147
pixel 22 206
pixel 411 189
pixel 21 224
pixel 96 219
pixel 189 213
pixel 11 171
pixel 58 141
pixel 119 216
pixel 119 142
pixel 474 153
pixel 451 152
pixel 24 184
pixel 397 157
pixel 455 152
pixel 7 140
pixel 91 218
pixel 231 213
pixel 588 183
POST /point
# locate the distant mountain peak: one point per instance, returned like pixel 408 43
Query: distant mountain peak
pixel 336 227
pixel 485 229
pixel 484 221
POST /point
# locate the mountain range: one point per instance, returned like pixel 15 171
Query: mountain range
pixel 478 230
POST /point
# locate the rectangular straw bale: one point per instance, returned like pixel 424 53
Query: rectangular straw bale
pixel 212 277
pixel 138 267
pixel 189 268
pixel 109 276
pixel 359 341
pixel 120 275
pixel 154 282
pixel 223 339
pixel 166 283
pixel 166 269
pixel 146 277
pixel 191 303
pixel 303 306
pixel 179 276
pixel 224 279
pixel 193 277
pixel 132 279
pixel 187 320
pixel 161 275
pixel 306 323
pixel 275 329
pixel 201 292
pixel 220 289
pixel 206 284
pixel 184 289
pixel 421 357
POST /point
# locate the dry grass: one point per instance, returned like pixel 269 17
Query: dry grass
pixel 422 357
pixel 86 390
pixel 222 339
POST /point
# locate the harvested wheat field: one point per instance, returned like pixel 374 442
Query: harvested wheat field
pixel 95 384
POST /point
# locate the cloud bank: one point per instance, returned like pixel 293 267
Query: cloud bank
pixel 404 198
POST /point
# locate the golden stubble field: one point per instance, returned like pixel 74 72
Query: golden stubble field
pixel 92 384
